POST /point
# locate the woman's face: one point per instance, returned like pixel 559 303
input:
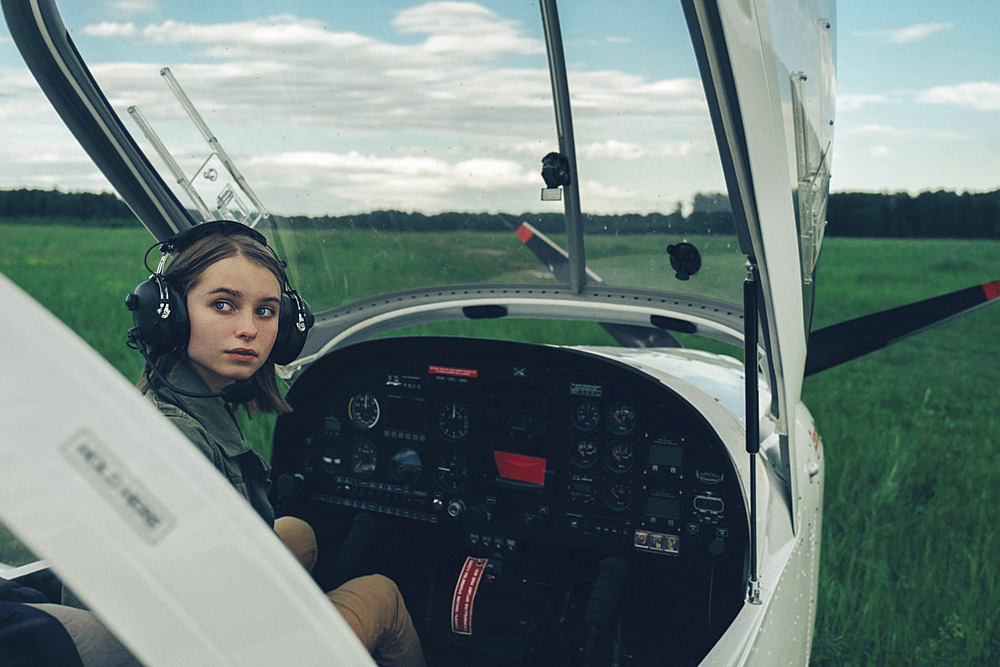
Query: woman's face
pixel 233 309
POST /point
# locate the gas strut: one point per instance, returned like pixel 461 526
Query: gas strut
pixel 751 414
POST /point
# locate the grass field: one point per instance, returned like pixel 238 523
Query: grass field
pixel 910 541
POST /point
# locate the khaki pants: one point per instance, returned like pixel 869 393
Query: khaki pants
pixel 371 605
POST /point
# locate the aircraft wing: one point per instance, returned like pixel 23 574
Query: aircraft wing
pixel 136 521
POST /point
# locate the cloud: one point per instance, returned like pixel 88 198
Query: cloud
pixel 852 102
pixel 979 95
pixel 612 149
pixel 906 34
pixel 466 27
pixel 454 105
pixel 906 133
pixel 130 7
pixel 917 32
pixel 110 29
pixel 437 85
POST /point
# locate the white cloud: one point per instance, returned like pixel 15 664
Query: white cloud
pixel 458 108
pixel 110 29
pixel 980 95
pixel 913 33
pixel 613 149
pixel 906 34
pixel 256 67
pixel 467 28
pixel 851 102
pixel 907 133
pixel 129 7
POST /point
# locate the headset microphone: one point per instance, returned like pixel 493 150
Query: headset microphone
pixel 238 392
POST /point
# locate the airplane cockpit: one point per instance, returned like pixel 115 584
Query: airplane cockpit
pixel 552 389
pixel 531 503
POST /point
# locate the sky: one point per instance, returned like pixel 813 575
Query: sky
pixel 432 106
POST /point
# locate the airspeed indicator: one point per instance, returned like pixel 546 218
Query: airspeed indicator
pixel 364 410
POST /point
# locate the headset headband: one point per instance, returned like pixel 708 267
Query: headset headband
pixel 189 236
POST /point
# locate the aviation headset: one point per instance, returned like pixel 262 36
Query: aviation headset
pixel 159 309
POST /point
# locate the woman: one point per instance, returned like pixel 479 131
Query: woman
pixel 228 289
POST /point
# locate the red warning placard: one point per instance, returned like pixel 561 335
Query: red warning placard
pixel 465 595
pixel 454 372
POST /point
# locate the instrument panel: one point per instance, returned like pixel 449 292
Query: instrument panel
pixel 542 461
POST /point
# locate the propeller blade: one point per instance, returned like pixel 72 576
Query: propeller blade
pixel 557 261
pixel 848 340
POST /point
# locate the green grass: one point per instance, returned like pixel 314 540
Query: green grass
pixel 910 546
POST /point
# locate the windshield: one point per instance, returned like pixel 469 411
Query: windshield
pixel 386 147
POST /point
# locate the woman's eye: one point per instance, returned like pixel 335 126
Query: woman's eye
pixel 222 305
pixel 265 311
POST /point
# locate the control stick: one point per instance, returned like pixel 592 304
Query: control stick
pixel 354 547
pixel 603 600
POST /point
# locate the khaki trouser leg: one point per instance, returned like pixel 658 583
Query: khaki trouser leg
pixel 300 539
pixel 374 609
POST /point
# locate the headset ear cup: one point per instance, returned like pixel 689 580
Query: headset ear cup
pixel 159 334
pixel 291 339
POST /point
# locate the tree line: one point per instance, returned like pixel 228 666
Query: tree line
pixel 102 209
pixel 937 214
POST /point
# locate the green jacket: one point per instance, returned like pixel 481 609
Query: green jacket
pixel 211 426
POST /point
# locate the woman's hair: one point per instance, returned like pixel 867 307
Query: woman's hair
pixel 183 272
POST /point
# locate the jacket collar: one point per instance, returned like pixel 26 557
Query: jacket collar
pixel 212 413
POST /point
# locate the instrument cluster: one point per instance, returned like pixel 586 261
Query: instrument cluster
pixel 511 442
pixel 535 463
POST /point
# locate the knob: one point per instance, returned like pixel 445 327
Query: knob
pixel 289 484
pixel 455 507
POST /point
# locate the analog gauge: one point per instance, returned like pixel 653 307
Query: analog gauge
pixel 619 456
pixel 451 472
pixel 364 410
pixel 586 415
pixel 621 418
pixel 617 494
pixel 405 465
pixel 453 420
pixel 364 459
pixel 583 453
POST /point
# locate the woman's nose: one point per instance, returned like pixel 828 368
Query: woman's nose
pixel 246 326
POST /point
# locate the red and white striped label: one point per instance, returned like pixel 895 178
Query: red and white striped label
pixel 465 595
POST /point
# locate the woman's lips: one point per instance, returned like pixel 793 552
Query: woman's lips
pixel 242 354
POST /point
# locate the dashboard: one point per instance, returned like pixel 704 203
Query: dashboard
pixel 544 475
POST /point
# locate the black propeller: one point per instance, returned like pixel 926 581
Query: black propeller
pixel 557 261
pixel 848 340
